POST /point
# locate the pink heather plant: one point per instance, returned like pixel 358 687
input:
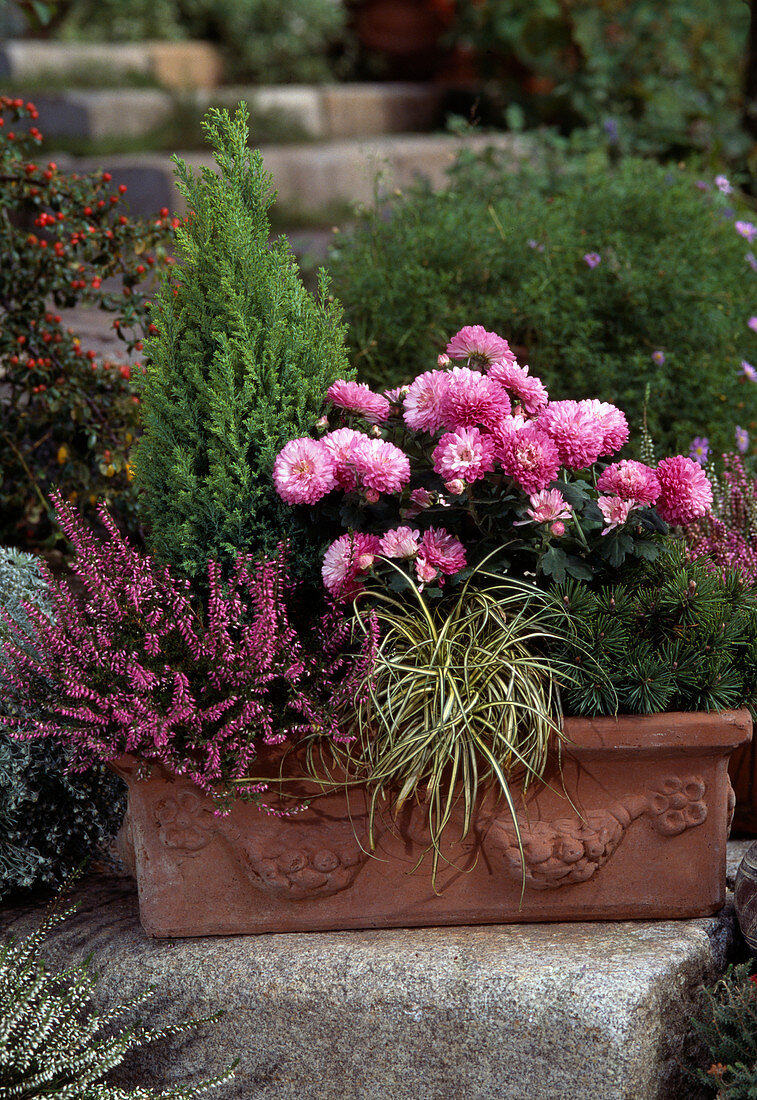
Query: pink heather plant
pixel 479 347
pixel 485 465
pixel 727 537
pixel 135 664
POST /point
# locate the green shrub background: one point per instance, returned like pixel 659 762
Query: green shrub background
pixel 240 364
pixel 507 251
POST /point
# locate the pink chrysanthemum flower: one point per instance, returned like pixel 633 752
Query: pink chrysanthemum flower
pixel 346 563
pixel 439 553
pixel 303 472
pixel 615 431
pixel 529 390
pixel 382 466
pixel 630 480
pixel 576 430
pixel 400 542
pixel 686 492
pixel 424 401
pixel 615 511
pixel 530 457
pixel 465 454
pixel 343 445
pixel 471 399
pixel 478 346
pixel 548 505
pixel 395 396
pixel 356 397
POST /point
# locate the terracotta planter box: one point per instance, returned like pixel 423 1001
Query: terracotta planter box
pixel 641 835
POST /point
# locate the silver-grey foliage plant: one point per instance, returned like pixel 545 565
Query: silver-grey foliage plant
pixel 50 821
pixel 55 1043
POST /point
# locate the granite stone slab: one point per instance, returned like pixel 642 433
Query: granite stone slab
pixel 544 1011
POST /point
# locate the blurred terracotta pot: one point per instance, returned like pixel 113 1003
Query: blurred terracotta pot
pixel 634 825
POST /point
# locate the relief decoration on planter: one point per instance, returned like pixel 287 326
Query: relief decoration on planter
pixel 304 861
pixel 567 851
pixel 307 860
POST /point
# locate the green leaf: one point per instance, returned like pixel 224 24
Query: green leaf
pixel 647 550
pixel 578 568
pixel 554 564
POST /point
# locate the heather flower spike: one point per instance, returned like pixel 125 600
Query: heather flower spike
pixel 132 666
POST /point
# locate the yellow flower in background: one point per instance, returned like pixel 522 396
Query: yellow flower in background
pixel 130 471
pixel 62 454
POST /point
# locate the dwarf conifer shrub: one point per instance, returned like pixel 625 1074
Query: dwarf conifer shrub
pixel 55 1042
pixel 50 821
pixel 241 359
pixel 676 635
pixel 605 279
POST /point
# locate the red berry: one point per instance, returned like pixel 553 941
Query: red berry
pixel 123 220
pixel 125 371
pixel 87 210
pixel 164 211
pixel 91 354
pixel 106 177
pixel 122 188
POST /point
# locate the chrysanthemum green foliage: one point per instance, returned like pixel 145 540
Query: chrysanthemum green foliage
pixel 676 636
pixel 49 820
pixel 507 249
pixel 55 1043
pixel 239 366
pixel 728 1026
pixel 461 698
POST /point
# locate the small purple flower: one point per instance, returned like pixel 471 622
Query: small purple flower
pixel 699 450
pixel 610 127
pixel 592 259
pixel 658 357
pixel 742 440
pixel 746 230
pixel 752 324
pixel 751 259
pixel 702 185
pixel 748 371
pixel 535 244
pixel 723 185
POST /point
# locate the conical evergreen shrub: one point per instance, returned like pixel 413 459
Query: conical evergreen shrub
pixel 241 359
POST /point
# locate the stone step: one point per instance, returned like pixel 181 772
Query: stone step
pixel 314 112
pixel 550 1012
pixel 309 178
pixel 171 64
